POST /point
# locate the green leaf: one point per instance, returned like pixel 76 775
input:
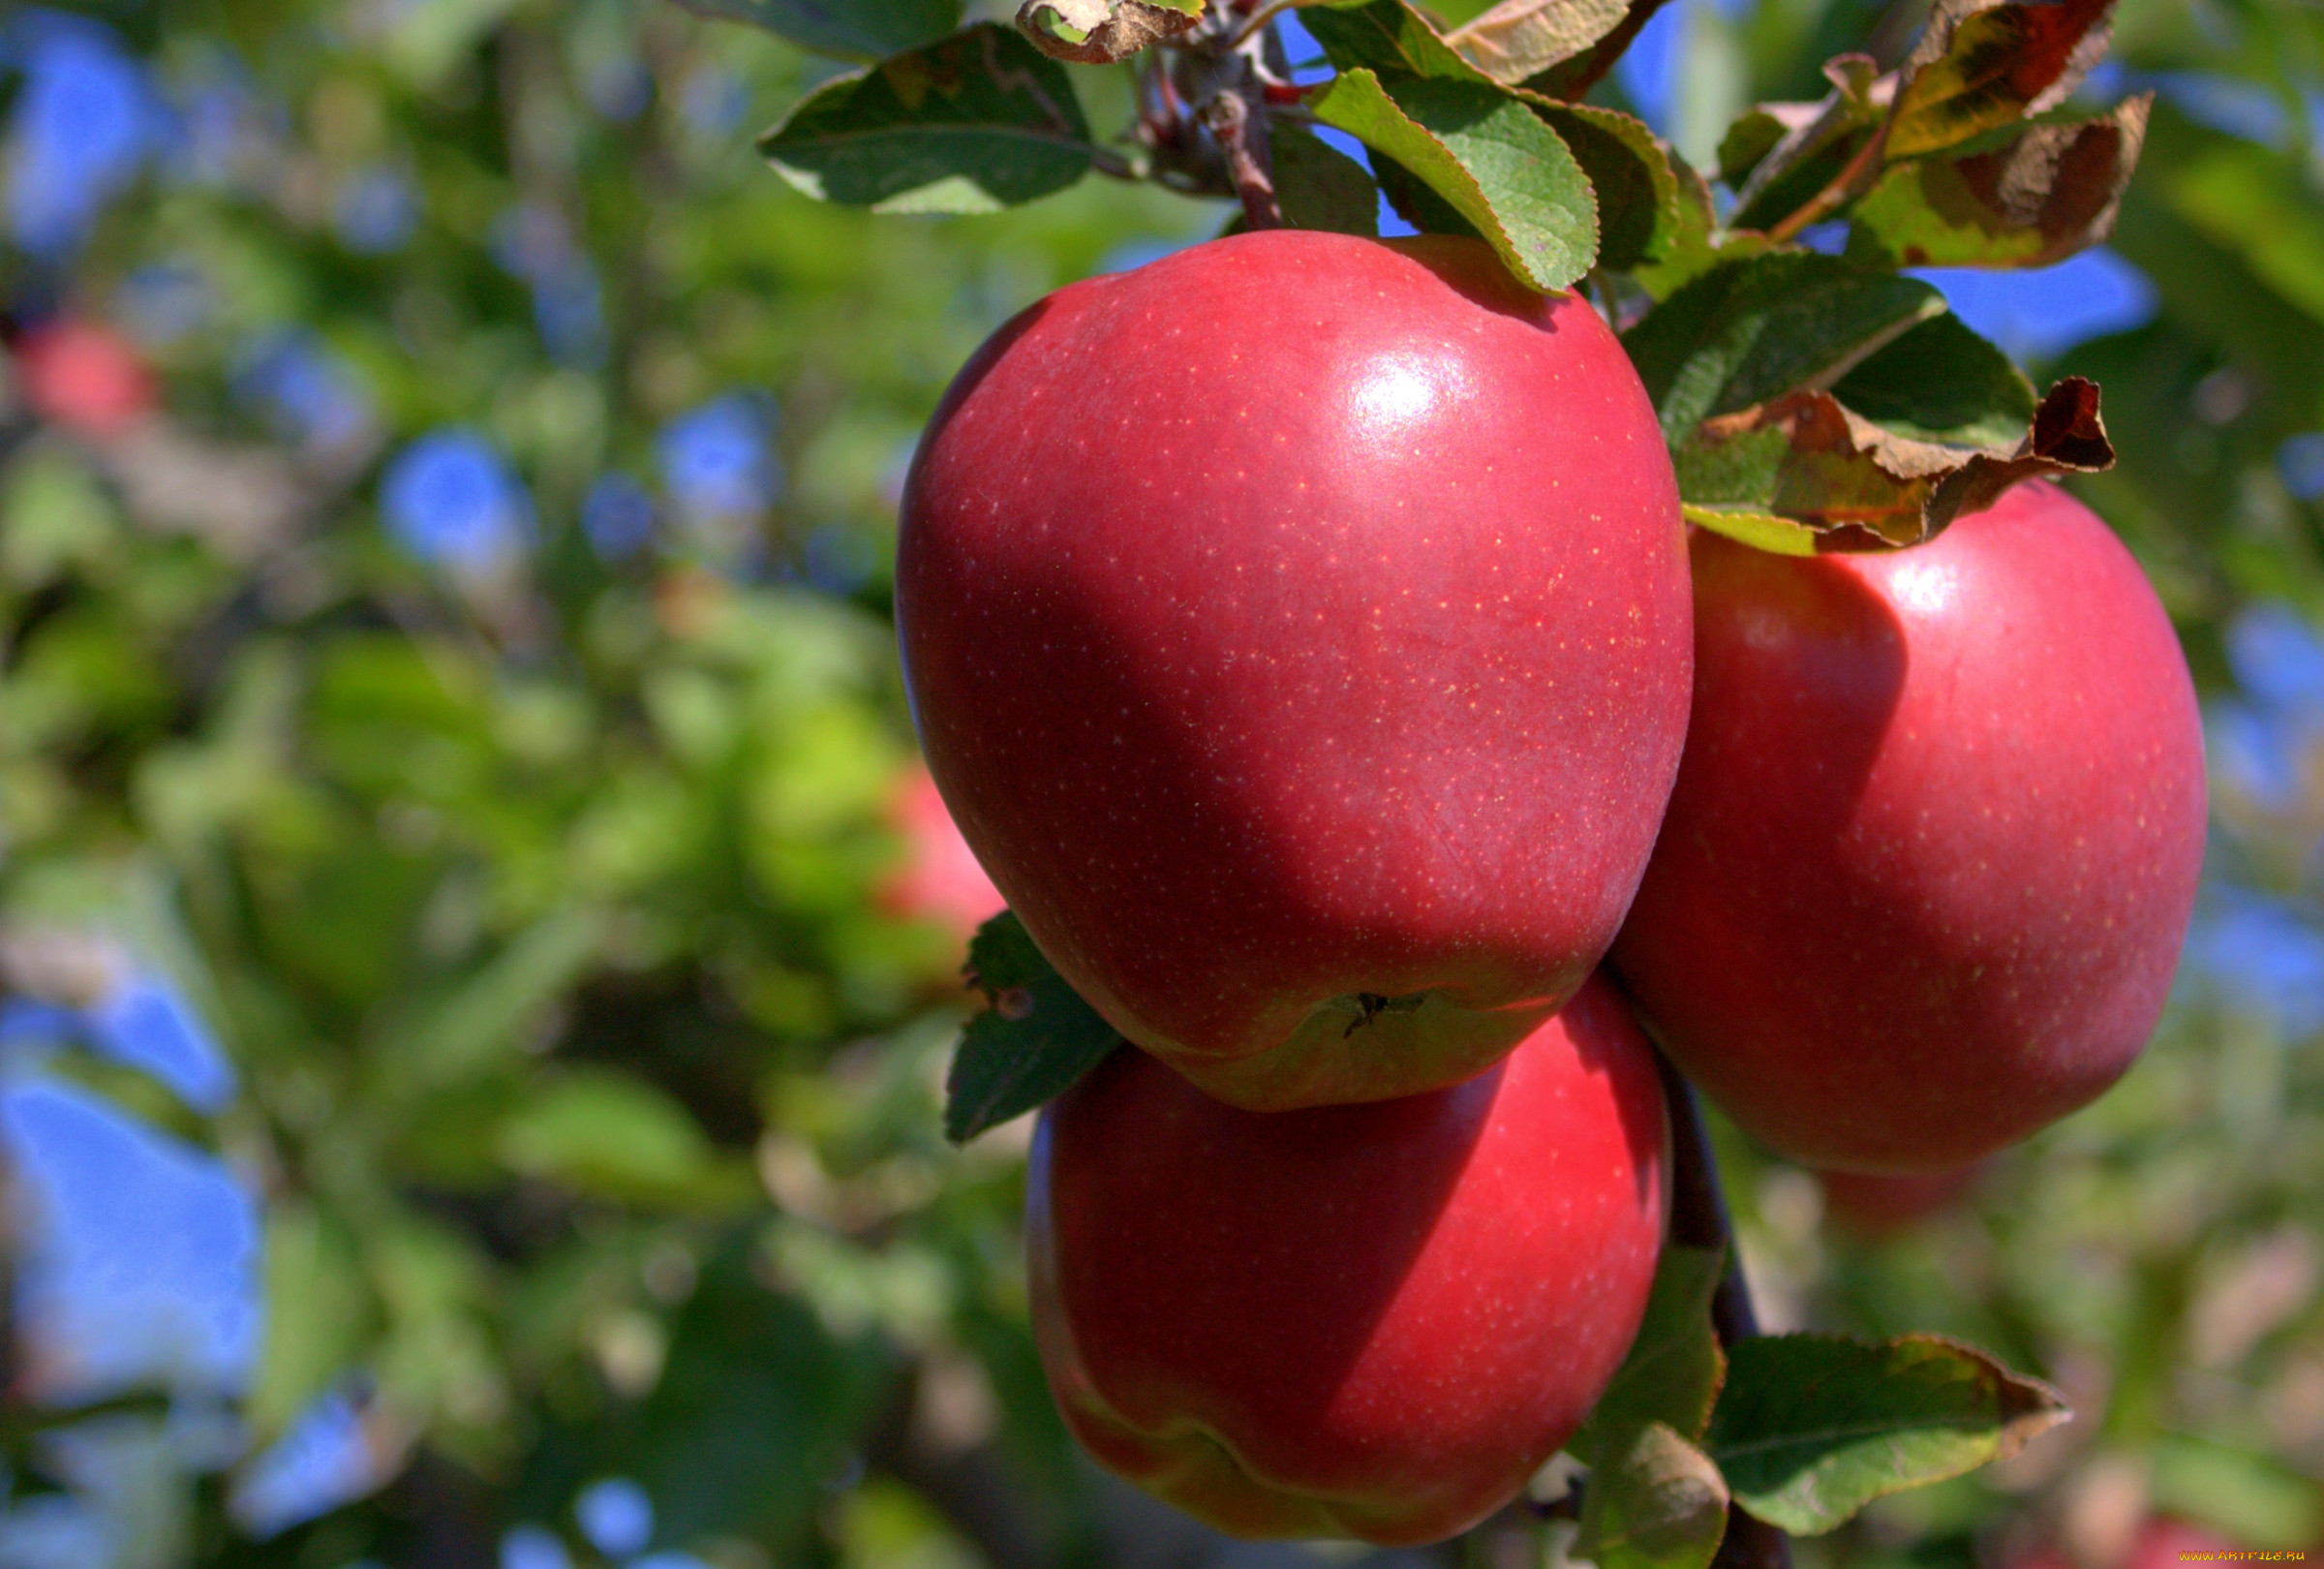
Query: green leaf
pixel 1654 1501
pixel 1630 175
pixel 1319 186
pixel 1761 531
pixel 1755 133
pixel 320 1313
pixel 2265 1502
pixel 1942 382
pixel 1697 244
pixel 475 1025
pixel 1806 458
pixel 759 1406
pixel 1418 206
pixel 2026 197
pixel 1386 37
pixel 1487 156
pixel 614 1136
pixel 2213 293
pixel 1520 38
pixel 1675 1366
pixel 1754 328
pixel 423 40
pixel 2259 202
pixel 1627 168
pixel 1983 64
pixel 851 29
pixel 1102 32
pixel 1028 1048
pixel 1811 1428
pixel 1659 1503
pixel 976 123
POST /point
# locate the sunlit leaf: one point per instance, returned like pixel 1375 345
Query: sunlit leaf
pixel 1386 37
pixel 1697 244
pixel 1630 175
pixel 1982 64
pixel 2026 197
pixel 1803 461
pixel 1487 156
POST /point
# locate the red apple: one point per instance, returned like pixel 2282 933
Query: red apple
pixel 2161 1544
pixel 1297 626
pixel 1934 845
pixel 1370 1320
pixel 940 880
pixel 1880 1204
pixel 83 376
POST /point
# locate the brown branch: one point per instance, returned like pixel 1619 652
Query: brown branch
pixel 1235 117
pixel 1845 186
pixel 1698 1218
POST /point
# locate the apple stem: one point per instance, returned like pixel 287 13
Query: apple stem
pixel 1699 1218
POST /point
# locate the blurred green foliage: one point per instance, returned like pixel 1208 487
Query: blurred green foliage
pixel 590 1084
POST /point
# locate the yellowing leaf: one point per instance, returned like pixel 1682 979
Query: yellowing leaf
pixel 1518 39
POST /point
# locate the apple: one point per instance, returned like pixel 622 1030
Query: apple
pixel 938 880
pixel 1874 1204
pixel 1935 840
pixel 1374 1320
pixel 1298 629
pixel 85 377
pixel 2161 1542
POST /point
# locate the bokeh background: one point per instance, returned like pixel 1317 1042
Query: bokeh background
pixel 478 960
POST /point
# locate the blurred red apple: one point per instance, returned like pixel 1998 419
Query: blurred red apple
pixel 1370 1320
pixel 83 376
pixel 1879 1204
pixel 1298 629
pixel 2160 1544
pixel 940 880
pixel 1934 846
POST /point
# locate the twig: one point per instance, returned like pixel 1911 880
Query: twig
pixel 1845 186
pixel 1698 1218
pixel 1110 164
pixel 1238 121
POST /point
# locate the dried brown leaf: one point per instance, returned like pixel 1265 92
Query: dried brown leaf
pixel 1100 32
pixel 1865 486
pixel 1985 63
